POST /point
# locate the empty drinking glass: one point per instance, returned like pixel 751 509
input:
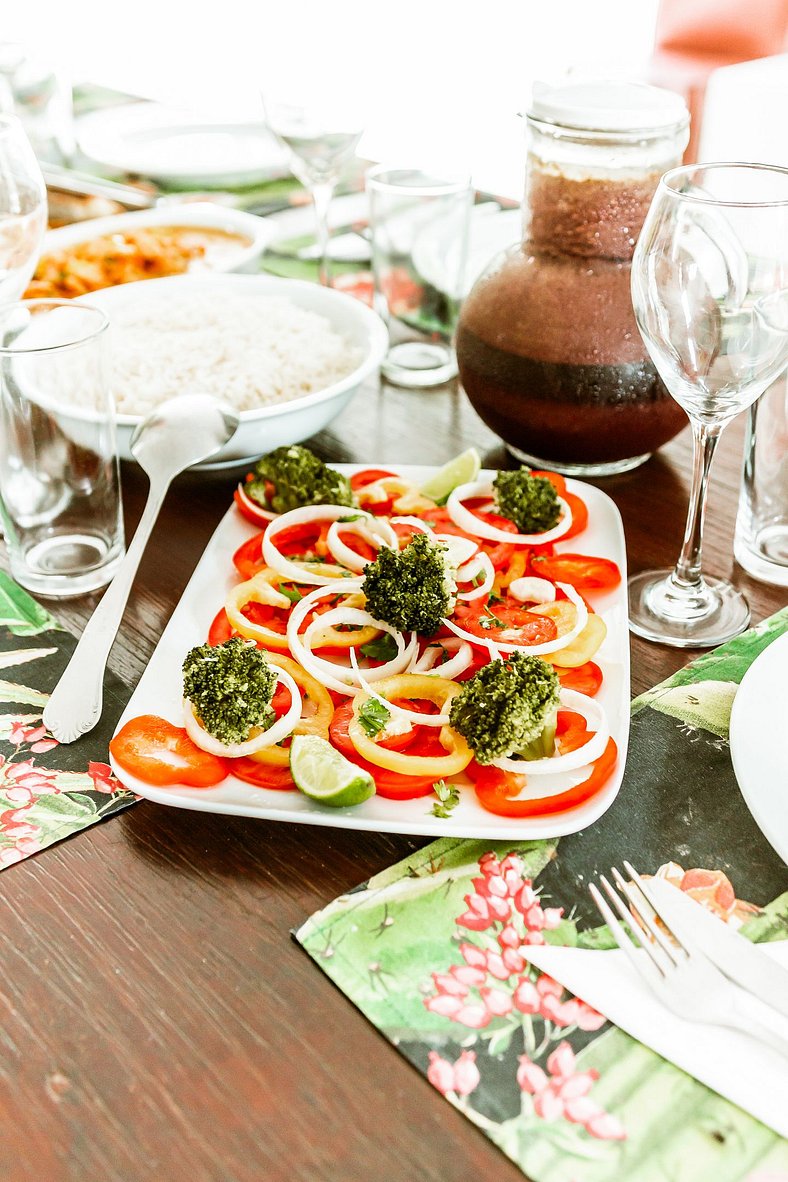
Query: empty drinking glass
pixel 59 472
pixel 419 225
pixel 23 209
pixel 710 292
pixel 761 540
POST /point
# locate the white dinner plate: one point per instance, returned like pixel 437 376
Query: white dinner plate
pixel 159 692
pixel 176 148
pixel 759 725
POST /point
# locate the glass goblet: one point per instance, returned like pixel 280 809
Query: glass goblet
pixel 710 293
pixel 23 209
pixel 320 135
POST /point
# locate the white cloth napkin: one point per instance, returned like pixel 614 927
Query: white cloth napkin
pixel 748 1072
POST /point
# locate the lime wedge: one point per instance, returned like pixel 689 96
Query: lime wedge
pixel 461 470
pixel 324 775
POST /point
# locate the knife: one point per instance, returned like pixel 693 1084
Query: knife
pixel 737 957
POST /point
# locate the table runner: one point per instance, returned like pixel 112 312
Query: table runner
pixel 434 952
pixel 47 791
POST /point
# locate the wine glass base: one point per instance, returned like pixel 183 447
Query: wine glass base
pixel 659 611
pixel 417 364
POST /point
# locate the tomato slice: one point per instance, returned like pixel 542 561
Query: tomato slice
pixel 369 476
pixel 248 558
pixel 583 572
pixel 247 508
pixel 157 752
pixel 507 622
pixel 556 479
pixel 391 785
pixel 495 788
pixel 262 775
pixel 585 679
pixel 579 511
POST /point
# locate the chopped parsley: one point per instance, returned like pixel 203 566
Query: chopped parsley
pixel 373 717
pixel 448 798
pixel 292 593
pixel 382 648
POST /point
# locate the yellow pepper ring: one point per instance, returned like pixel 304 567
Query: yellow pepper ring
pixel 562 612
pixel 331 637
pixel 413 686
pixel 315 724
pixel 259 589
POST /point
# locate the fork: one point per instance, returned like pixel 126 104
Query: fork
pixel 681 977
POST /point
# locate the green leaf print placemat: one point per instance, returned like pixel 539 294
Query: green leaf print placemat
pixel 47 791
pixel 434 951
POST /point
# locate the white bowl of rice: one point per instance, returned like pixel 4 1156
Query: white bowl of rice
pixel 287 355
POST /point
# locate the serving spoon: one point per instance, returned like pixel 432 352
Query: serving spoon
pixel 179 433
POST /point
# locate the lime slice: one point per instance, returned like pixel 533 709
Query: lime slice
pixel 323 774
pixel 461 470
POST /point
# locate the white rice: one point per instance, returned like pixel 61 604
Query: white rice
pixel 250 353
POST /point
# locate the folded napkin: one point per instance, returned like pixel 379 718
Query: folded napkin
pixel 744 1070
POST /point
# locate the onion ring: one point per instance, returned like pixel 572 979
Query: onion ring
pixel 414 717
pixel 265 738
pixel 381 535
pixel 465 520
pixel 301 572
pixel 536 650
pixel 449 669
pixel 591 750
pixel 471 570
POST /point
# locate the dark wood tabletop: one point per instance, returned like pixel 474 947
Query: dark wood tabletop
pixel 158 1022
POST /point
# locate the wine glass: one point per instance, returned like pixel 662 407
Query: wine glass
pixel 23 209
pixel 710 293
pixel 320 133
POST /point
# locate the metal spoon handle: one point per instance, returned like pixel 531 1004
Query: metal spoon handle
pixel 76 701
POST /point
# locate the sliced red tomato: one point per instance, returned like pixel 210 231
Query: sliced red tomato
pixel 507 622
pixel 248 558
pixel 262 775
pixel 369 476
pixel 555 478
pixel 582 571
pixel 495 788
pixel 157 752
pixel 585 679
pixel 579 511
pixel 391 785
pixel 248 509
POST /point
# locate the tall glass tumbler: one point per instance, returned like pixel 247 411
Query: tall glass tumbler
pixel 59 471
pixel 419 225
pixel 761 539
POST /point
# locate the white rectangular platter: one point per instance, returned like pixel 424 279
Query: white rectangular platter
pixel 159 692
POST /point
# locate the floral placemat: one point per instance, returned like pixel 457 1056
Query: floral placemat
pixel 434 951
pixel 47 791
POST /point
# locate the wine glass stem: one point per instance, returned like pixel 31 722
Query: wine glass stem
pixel 322 192
pixel 687 575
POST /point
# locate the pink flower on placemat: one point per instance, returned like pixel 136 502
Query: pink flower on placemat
pixel 563 1093
pixel 103 779
pixel 713 889
pixel 36 737
pixel 460 1078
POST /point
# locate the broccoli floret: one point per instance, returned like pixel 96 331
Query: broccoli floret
pixel 411 589
pixel 299 478
pixel 509 708
pixel 531 502
pixel 230 686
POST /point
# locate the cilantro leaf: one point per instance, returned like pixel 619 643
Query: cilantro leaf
pixel 373 716
pixel 292 593
pixel 350 517
pixel 383 648
pixel 448 798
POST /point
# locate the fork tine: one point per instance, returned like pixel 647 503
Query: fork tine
pixel 637 934
pixel 644 915
pixel 641 966
pixel 642 888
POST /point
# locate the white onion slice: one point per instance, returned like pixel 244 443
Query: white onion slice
pixel 274 734
pixel 481 563
pixel 532 589
pixel 414 717
pixel 464 519
pixel 460 550
pixel 416 523
pixel 362 619
pixel 307 513
pixel 594 716
pixel 381 535
pixel 326 671
pixel 536 650
pixel 253 507
pixel 426 663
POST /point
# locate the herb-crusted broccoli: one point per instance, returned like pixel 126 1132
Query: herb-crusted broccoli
pixel 230 687
pixel 299 478
pixel 531 502
pixel 509 708
pixel 411 589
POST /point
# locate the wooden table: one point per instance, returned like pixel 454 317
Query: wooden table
pixel 157 1020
